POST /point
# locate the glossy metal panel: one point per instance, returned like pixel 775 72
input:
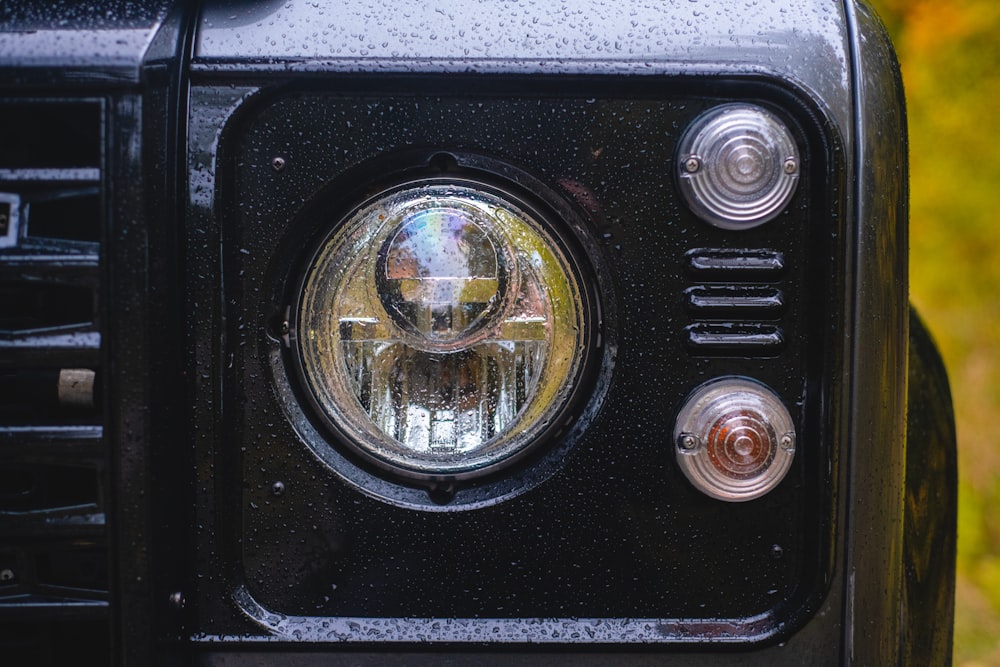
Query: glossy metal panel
pixel 70 43
pixel 799 40
pixel 879 344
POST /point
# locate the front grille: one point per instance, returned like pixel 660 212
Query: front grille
pixel 53 458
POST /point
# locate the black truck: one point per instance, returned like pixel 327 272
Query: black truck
pixel 434 333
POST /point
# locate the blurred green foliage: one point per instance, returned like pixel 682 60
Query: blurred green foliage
pixel 950 55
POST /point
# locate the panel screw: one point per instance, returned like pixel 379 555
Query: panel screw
pixel 278 163
pixel 7 574
pixel 278 488
pixel 176 600
pixel 687 442
pixel 791 166
pixel 692 165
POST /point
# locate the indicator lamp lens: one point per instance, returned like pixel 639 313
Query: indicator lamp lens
pixel 735 439
pixel 738 166
pixel 440 329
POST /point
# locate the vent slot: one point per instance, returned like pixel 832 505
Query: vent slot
pixel 49 395
pixel 47 487
pixel 729 310
pixel 41 573
pixel 75 216
pixel 735 340
pixel 46 135
pixel 81 570
pixel 35 306
pixel 731 302
pixel 724 264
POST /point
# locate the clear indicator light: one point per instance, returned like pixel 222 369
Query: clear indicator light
pixel 738 166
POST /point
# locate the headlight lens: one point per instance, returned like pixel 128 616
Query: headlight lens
pixel 440 328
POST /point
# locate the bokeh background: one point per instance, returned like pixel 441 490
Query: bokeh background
pixel 949 51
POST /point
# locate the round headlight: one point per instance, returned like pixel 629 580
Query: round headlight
pixel 440 329
pixel 738 166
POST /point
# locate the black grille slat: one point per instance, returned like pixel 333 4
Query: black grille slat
pixel 53 493
pixel 39 305
pixel 37 449
pixel 67 214
pixel 44 572
pixel 65 350
pixel 51 256
pixel 66 175
pixel 82 443
pixel 44 609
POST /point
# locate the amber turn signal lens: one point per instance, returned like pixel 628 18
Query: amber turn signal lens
pixel 735 439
